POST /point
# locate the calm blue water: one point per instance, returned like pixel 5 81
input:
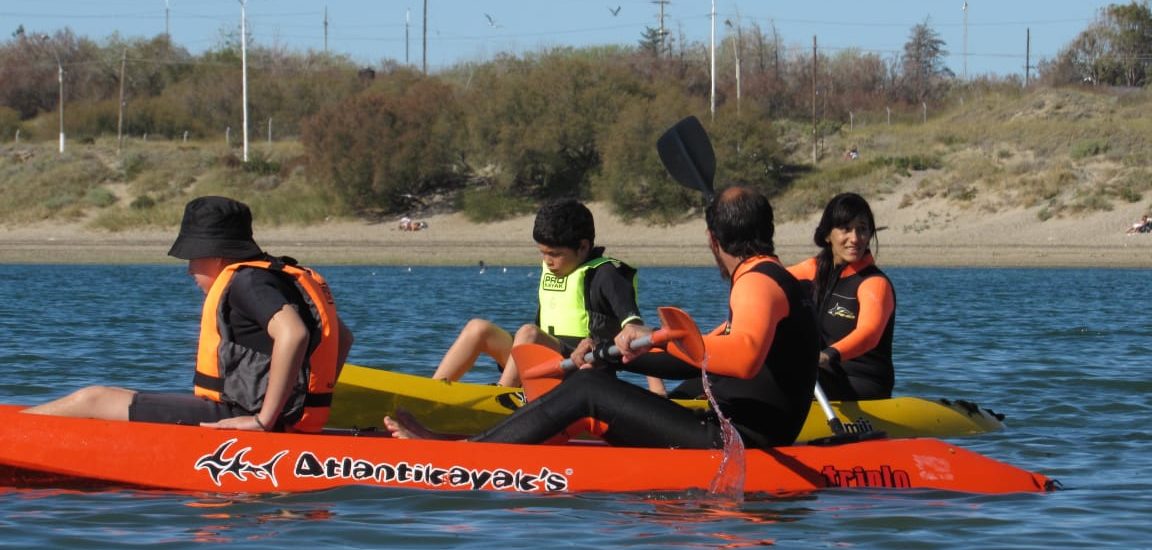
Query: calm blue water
pixel 1064 353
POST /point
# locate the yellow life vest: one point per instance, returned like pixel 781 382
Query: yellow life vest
pixel 563 304
pixel 228 372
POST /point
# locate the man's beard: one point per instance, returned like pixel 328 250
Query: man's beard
pixel 724 274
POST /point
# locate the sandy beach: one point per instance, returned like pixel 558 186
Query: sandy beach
pixel 925 234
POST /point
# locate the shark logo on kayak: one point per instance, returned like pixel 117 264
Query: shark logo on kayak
pixel 218 465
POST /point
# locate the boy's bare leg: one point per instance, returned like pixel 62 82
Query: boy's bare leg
pixel 105 402
pixel 478 336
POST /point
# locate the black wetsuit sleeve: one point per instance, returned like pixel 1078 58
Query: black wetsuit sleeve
pixel 613 293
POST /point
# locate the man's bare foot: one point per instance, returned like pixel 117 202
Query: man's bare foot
pixel 397 429
pixel 405 426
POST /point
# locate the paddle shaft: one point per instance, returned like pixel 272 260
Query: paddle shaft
pixel 568 365
pixel 834 423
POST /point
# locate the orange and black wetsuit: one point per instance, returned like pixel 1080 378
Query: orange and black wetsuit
pixel 857 315
pixel 761 365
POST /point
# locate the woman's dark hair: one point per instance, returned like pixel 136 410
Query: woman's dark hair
pixel 741 221
pixel 564 224
pixel 843 210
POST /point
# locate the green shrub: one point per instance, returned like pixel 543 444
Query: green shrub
pixel 133 165
pixel 143 202
pixel 1088 148
pixel 484 205
pixel 99 197
pixel 260 164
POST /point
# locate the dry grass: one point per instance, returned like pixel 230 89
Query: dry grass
pixel 1067 151
pixel 1070 151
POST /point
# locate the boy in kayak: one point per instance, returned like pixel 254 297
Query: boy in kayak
pixel 855 303
pixel 582 294
pixel 761 363
pixel 271 342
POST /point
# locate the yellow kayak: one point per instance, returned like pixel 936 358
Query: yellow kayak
pixel 365 395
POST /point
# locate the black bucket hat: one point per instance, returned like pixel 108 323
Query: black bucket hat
pixel 215 227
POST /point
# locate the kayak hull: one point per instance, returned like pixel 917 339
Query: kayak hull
pixel 37 450
pixel 363 396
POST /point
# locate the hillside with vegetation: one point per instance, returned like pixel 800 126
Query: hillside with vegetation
pixel 148 126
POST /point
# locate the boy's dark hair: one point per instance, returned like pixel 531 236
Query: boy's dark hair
pixel 564 224
pixel 741 221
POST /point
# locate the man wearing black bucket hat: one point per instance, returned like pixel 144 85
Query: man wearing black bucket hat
pixel 271 342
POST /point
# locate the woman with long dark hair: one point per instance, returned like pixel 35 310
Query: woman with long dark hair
pixel 854 302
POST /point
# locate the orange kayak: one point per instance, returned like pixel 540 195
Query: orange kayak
pixel 65 452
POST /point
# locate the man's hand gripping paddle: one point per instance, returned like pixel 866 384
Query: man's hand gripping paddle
pixel 545 368
pixel 687 154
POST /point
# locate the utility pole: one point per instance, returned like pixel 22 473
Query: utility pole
pixel 663 33
pixel 713 62
pixel 739 43
pixel 120 121
pixel 60 79
pixel 815 155
pixel 244 68
pixel 425 37
pixel 407 23
pixel 325 28
pixel 965 39
pixel 167 12
pixel 1027 56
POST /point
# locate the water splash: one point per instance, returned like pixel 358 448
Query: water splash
pixel 728 483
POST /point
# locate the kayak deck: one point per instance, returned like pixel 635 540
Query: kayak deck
pixel 363 396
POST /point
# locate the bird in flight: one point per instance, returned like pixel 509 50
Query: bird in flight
pixel 491 20
pixel 615 12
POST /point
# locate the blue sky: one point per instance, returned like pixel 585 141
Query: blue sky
pixel 466 30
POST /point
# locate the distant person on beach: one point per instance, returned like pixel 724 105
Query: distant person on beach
pixel 408 224
pixel 1142 226
pixel 583 294
pixel 761 361
pixel 271 342
pixel 855 303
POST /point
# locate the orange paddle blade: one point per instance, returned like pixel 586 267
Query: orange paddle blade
pixel 680 331
pixel 539 369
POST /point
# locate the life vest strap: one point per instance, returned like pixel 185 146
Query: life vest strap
pixel 318 399
pixel 211 383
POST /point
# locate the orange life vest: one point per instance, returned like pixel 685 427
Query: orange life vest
pixel 228 372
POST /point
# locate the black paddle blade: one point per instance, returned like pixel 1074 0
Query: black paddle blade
pixel 687 155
